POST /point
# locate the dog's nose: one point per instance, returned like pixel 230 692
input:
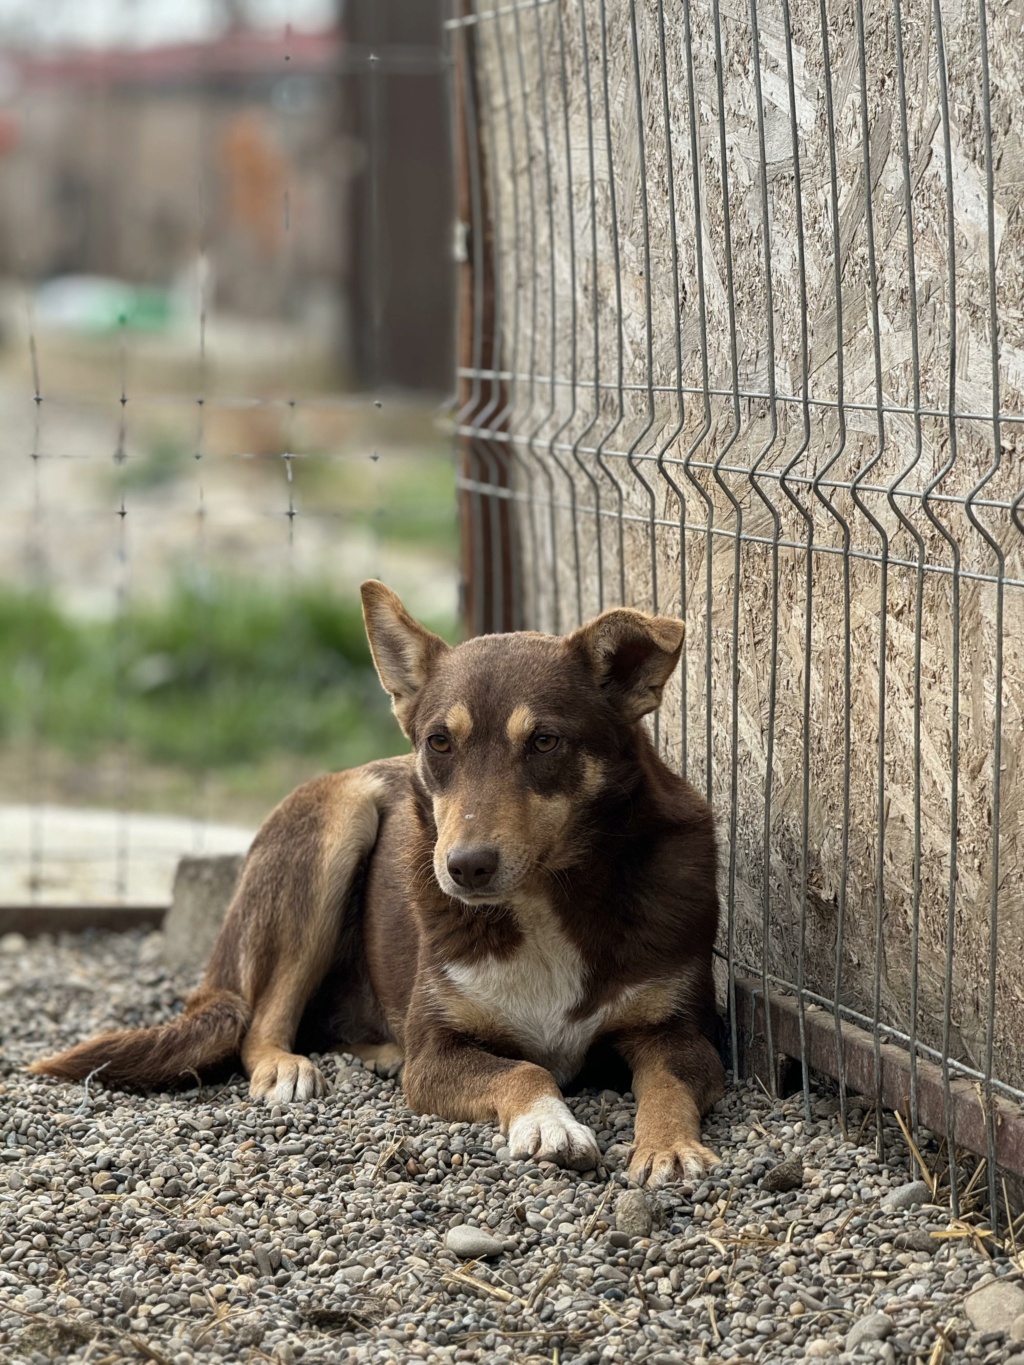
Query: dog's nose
pixel 473 868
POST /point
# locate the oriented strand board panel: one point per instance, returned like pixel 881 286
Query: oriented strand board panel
pixel 758 359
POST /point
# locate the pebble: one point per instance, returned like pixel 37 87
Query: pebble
pixel 633 1215
pixel 875 1327
pixel 216 1230
pixel 785 1176
pixel 995 1307
pixel 471 1243
pixel 907 1196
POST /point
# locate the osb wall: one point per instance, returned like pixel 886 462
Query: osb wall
pixel 662 456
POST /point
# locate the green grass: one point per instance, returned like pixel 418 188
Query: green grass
pixel 164 456
pixel 211 679
pixel 408 496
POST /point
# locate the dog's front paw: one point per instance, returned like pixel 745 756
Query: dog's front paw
pixel 548 1132
pixel 284 1078
pixel 684 1161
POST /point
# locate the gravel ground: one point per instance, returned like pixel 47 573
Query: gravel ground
pixel 196 1226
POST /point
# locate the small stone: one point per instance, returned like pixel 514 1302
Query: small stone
pixel 616 1155
pixel 12 944
pixel 811 1301
pixel 633 1214
pixel 820 1348
pixel 787 1175
pixel 262 1258
pixel 1017 1329
pixel 995 1307
pixel 471 1243
pixel 875 1327
pixel 916 1239
pixel 907 1196
pixel 672 1322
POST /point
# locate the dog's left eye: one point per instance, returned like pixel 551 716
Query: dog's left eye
pixel 544 744
pixel 440 744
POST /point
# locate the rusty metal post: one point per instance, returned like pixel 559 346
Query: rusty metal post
pixel 486 521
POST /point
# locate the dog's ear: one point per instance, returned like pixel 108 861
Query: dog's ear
pixel 404 652
pixel 633 656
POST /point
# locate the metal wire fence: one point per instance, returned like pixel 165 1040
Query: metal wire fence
pixel 208 358
pixel 743 340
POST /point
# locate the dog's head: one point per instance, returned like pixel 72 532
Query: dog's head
pixel 516 736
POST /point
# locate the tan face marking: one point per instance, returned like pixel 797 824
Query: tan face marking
pixel 593 777
pixel 459 722
pixel 546 819
pixel 446 815
pixel 520 725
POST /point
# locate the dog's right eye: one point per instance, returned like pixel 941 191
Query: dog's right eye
pixel 545 744
pixel 440 744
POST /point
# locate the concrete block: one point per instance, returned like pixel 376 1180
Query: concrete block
pixel 203 887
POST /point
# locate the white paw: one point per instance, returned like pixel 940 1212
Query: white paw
pixel 286 1078
pixel 549 1132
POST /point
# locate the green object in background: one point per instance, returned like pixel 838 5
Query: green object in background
pixel 150 311
pixel 97 304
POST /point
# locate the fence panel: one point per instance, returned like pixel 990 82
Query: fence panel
pixel 753 353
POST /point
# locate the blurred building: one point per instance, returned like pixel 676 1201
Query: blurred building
pixel 285 162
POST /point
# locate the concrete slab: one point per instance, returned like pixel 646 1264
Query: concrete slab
pixel 203 888
pixel 56 855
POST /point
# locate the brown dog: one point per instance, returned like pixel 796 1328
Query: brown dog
pixel 530 880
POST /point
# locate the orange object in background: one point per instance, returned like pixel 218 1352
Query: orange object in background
pixel 10 131
pixel 255 174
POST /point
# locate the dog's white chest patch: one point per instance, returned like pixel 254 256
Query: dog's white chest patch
pixel 532 994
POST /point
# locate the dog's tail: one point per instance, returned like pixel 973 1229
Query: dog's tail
pixel 208 1032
